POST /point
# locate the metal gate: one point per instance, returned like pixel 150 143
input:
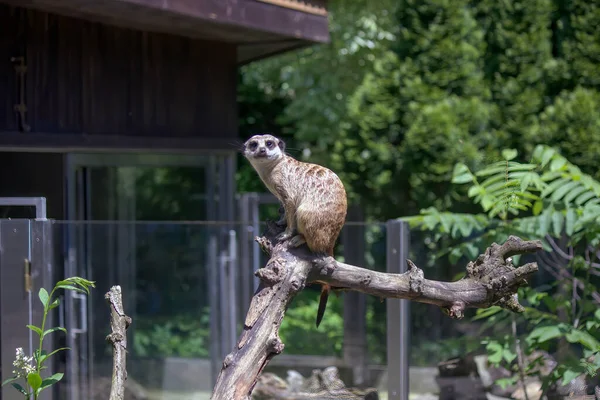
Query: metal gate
pixel 26 256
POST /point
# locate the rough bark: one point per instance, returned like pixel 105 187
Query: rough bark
pixel 119 322
pixel 490 280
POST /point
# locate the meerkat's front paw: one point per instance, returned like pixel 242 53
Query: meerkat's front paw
pixel 297 241
pixel 285 235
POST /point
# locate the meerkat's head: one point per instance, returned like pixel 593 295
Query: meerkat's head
pixel 264 149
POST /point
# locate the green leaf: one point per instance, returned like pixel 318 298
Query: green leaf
pixel 527 178
pixel 547 155
pixel 506 382
pixel 35 380
pixel 537 152
pixel 463 226
pixel 562 190
pixel 43 295
pixel 20 389
pixel 58 328
pixel 75 283
pixel 35 329
pixel 570 218
pixel 461 174
pixel 574 193
pixel 551 188
pixel 569 375
pixel 557 163
pixel 538 206
pixel 584 197
pixel 9 380
pixel 545 333
pixel 508 355
pixel 54 304
pixel 51 380
pixel 74 288
pixel 509 154
pixel 475 190
pixel 45 357
pixel 495 352
pixel 545 221
pixel 583 338
pixel 487 202
pixel 557 223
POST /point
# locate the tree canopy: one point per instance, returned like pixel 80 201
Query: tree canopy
pixel 406 89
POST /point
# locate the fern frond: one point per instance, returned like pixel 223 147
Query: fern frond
pixel 454 224
pixel 565 181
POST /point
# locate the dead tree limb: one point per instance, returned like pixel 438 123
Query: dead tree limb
pixel 119 322
pixel 490 280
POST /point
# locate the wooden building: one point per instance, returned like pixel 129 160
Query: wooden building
pixel 98 84
pixel 94 91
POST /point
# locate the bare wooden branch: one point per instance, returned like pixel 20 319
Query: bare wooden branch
pixel 490 280
pixel 119 322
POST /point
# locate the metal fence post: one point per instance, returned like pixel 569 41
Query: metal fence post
pixel 249 251
pixel 355 351
pixel 398 314
pixel 216 340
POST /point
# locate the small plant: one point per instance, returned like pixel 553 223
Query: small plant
pixel 29 368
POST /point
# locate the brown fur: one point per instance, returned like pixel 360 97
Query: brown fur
pixel 313 197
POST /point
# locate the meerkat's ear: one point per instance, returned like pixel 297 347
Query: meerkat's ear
pixel 281 145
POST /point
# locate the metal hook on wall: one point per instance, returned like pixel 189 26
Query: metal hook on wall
pixel 21 107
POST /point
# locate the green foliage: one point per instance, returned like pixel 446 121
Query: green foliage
pixel 419 86
pixel 548 198
pixel 298 330
pixel 572 123
pixel 408 89
pixel 179 335
pixel 31 374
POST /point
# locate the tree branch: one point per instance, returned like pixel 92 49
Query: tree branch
pixel 490 280
pixel 119 322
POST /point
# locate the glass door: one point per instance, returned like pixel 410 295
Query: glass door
pixel 111 201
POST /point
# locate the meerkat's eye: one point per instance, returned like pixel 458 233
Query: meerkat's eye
pixel 269 144
pixel 253 145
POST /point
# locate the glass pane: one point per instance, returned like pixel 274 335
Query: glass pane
pixel 143 193
pixel 183 285
pixel 166 272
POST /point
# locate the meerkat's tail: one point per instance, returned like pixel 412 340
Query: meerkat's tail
pixel 324 295
pixel 323 303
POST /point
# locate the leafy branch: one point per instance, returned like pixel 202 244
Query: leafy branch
pixel 552 200
pixel 32 374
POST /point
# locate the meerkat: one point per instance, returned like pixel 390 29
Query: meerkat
pixel 313 198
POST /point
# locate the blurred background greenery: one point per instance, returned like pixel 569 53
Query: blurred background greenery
pixel 405 91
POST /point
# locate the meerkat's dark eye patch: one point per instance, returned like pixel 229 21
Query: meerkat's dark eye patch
pixel 253 145
pixel 270 144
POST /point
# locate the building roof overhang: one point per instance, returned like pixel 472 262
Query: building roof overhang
pixel 259 28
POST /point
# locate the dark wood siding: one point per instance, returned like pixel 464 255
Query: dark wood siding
pixel 94 79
